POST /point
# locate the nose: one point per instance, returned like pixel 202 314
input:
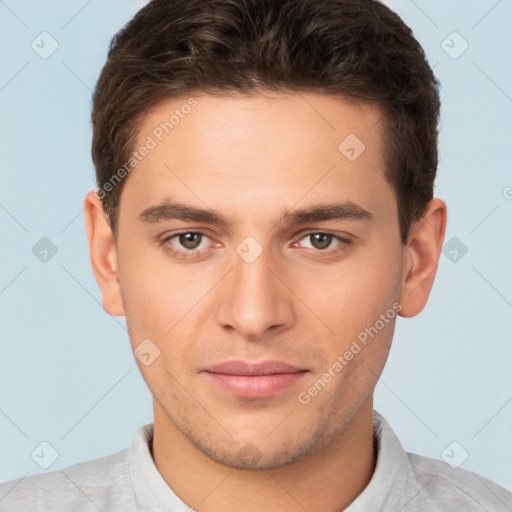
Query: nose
pixel 254 300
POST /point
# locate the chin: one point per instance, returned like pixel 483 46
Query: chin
pixel 259 455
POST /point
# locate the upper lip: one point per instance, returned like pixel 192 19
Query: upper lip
pixel 238 367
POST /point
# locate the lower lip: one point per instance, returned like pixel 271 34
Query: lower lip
pixel 256 386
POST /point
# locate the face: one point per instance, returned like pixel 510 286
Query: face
pixel 262 259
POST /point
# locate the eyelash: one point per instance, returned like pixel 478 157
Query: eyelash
pixel 193 253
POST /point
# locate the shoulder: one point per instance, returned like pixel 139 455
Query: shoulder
pixel 442 487
pixel 411 483
pixel 102 483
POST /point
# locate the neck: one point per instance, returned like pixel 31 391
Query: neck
pixel 327 481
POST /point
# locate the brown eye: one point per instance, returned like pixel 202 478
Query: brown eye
pixel 189 245
pixel 324 242
pixel 320 240
pixel 190 240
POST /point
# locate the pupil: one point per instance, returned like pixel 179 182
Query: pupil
pixel 187 240
pixel 321 240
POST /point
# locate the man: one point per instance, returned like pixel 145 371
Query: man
pixel 264 212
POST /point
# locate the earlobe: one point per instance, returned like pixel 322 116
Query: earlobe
pixel 422 258
pixel 103 254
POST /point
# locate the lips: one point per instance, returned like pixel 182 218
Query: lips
pixel 254 380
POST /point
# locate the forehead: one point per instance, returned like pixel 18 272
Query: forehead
pixel 259 152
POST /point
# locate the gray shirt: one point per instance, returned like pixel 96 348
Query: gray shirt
pixel 129 481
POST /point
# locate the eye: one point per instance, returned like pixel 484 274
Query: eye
pixel 190 242
pixel 323 240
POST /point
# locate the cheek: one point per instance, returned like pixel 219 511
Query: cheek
pixel 161 299
pixel 354 296
pixel 149 300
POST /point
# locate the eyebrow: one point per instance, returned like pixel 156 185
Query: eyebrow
pixel 317 213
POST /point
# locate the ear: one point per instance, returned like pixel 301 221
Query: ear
pixel 102 251
pixel 422 258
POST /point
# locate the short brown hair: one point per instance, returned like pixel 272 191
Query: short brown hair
pixel 348 48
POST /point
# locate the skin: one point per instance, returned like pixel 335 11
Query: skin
pixel 251 159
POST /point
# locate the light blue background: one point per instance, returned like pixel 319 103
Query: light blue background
pixel 67 374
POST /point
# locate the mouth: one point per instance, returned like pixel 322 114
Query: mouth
pixel 254 380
